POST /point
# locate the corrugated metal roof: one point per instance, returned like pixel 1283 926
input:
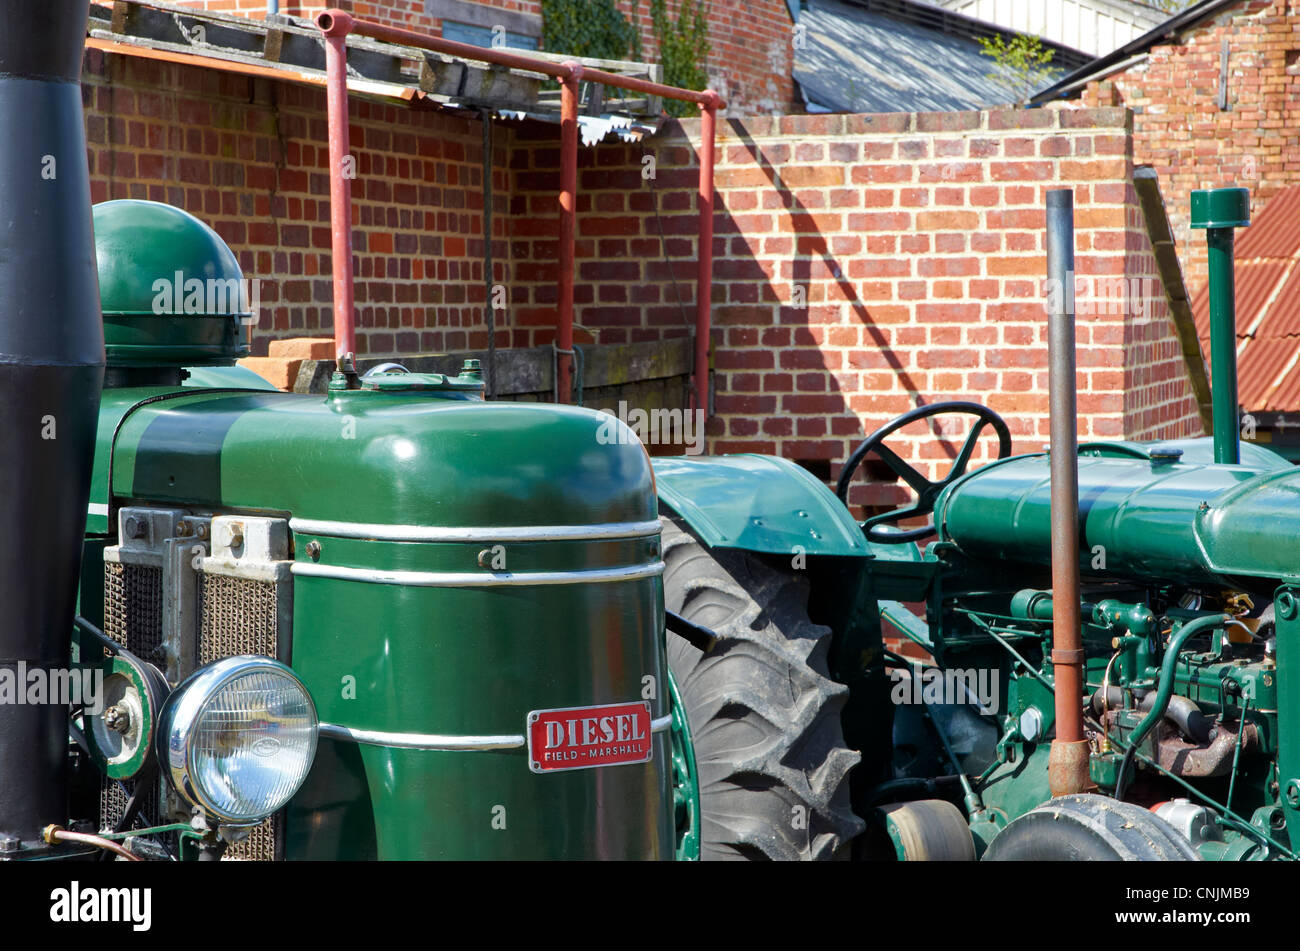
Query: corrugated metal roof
pixel 1267 257
pixel 898 56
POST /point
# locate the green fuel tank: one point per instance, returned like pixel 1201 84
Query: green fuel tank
pixel 452 571
pixel 1149 514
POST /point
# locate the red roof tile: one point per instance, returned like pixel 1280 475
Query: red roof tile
pixel 1268 307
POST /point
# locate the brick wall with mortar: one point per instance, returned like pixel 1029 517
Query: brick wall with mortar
pixel 750 63
pixel 1179 128
pixel 864 264
pixel 249 156
pixel 915 241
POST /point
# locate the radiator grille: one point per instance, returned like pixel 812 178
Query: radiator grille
pixel 240 616
pixel 237 616
pixel 133 604
pixel 113 796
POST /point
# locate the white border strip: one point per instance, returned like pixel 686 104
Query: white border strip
pixel 436 741
pixel 489 533
pixel 477 579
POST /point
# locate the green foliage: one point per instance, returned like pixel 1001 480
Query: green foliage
pixel 683 48
pixel 1022 64
pixel 592 28
pixel 1171 6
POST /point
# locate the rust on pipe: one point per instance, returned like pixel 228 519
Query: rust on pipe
pixel 1067 762
pixel 634 84
pixel 568 221
pixel 704 277
pixel 336 25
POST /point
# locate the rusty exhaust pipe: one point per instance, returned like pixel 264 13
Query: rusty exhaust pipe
pixel 1067 763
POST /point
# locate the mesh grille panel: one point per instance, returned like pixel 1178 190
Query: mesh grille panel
pixel 260 844
pixel 237 616
pixel 133 599
pixel 112 803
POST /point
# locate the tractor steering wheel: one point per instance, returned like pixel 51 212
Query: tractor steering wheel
pixel 927 492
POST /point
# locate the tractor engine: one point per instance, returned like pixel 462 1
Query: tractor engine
pixel 1187 619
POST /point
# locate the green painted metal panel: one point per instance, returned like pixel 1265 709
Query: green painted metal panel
pixel 448 660
pixel 223 377
pixel 1193 449
pixel 1149 519
pixel 759 503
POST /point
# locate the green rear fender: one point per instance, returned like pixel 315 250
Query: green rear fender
pixel 765 504
pixel 757 503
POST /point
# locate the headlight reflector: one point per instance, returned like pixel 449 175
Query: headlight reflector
pixel 238 737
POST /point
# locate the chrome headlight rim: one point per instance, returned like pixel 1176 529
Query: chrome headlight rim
pixel 181 713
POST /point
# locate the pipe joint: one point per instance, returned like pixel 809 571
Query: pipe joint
pixel 334 23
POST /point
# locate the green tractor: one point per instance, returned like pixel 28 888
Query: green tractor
pixel 398 621
pixel 1109 629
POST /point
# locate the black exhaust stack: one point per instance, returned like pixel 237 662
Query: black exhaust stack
pixel 51 370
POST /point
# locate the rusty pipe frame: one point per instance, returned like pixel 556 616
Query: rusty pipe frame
pixel 704 276
pixel 568 228
pixel 336 25
pixel 1067 762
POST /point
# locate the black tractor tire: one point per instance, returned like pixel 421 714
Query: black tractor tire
pixel 764 714
pixel 1089 828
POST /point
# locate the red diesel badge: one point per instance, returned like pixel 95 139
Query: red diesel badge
pixel 585 737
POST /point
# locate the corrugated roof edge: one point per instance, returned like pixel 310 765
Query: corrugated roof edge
pixel 1111 62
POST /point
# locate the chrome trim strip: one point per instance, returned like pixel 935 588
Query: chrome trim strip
pixel 435 741
pixel 422 741
pixel 477 579
pixel 489 533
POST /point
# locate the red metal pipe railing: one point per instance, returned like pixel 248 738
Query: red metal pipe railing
pixel 336 25
pixel 568 226
pixel 704 277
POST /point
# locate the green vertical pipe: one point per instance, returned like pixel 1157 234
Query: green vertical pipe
pixel 1220 211
pixel 1223 345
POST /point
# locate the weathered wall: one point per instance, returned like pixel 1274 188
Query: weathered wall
pixel 866 264
pixel 1179 128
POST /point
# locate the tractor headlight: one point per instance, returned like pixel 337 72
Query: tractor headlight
pixel 238 737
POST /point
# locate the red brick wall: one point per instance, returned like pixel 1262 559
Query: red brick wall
pixel 917 243
pixel 751 62
pixel 250 158
pixel 1179 128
